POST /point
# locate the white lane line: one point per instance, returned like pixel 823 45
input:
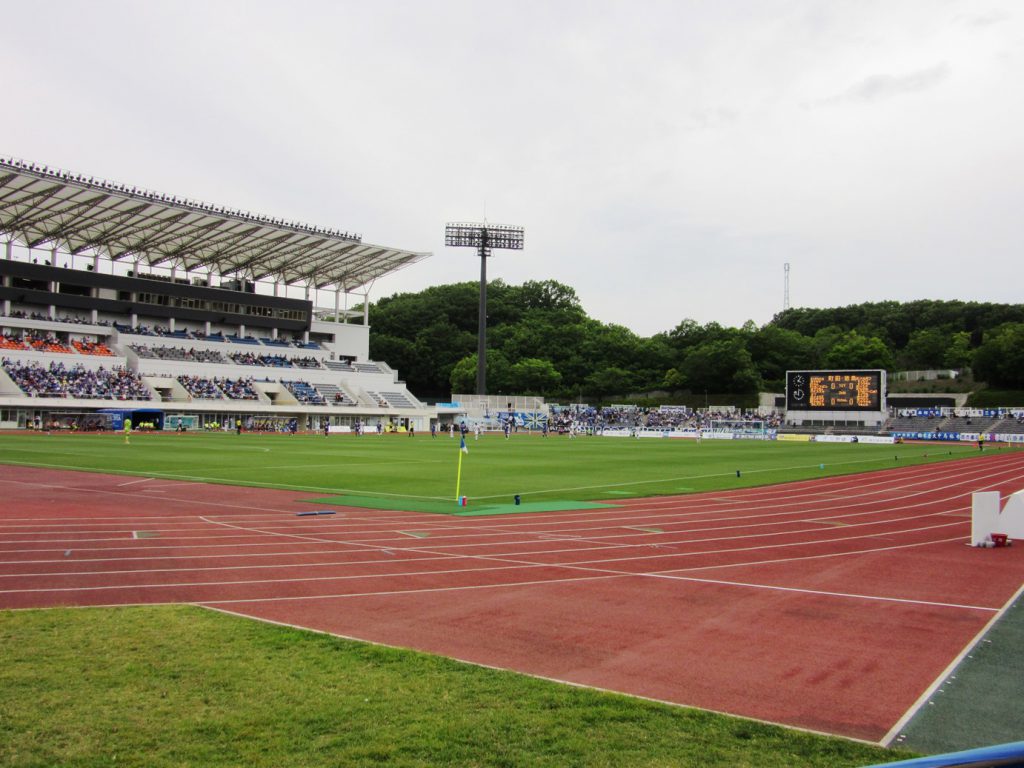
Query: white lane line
pixel 248 582
pixel 161 558
pixel 390 560
pixel 823 593
pixel 415 591
pixel 822 556
pixel 783 545
pixel 135 482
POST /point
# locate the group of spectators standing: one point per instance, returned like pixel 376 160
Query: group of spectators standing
pixel 59 380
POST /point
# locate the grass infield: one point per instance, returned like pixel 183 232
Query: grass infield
pixel 184 686
pixel 420 473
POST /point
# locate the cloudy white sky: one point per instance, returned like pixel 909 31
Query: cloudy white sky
pixel 665 158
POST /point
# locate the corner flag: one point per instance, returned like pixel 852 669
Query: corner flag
pixel 458 479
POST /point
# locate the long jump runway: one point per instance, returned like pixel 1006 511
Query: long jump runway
pixel 832 605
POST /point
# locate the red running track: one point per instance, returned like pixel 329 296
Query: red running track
pixel 830 605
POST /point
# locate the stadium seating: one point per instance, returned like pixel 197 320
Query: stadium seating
pixel 236 389
pixel 11 342
pixel 178 353
pixel 338 365
pixel 58 380
pixel 92 348
pixel 47 343
pixel 334 395
pixel 397 400
pixel 304 392
pixel 200 388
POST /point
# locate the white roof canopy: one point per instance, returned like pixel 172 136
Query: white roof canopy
pixel 47 208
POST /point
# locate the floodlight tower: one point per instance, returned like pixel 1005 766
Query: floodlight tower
pixel 483 237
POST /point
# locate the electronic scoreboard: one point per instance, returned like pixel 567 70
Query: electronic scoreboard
pixel 835 390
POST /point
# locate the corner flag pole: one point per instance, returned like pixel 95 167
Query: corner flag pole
pixel 458 479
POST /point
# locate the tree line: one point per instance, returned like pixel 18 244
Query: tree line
pixel 541 341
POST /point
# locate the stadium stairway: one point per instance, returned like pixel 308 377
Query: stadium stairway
pixel 330 391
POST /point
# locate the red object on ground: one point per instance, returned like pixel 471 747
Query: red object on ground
pixel 999 539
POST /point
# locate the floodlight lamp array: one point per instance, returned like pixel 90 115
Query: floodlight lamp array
pixel 464 235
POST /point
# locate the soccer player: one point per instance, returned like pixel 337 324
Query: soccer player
pixel 127 430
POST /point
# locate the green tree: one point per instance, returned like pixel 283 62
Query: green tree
pixel 776 350
pixel 723 366
pixel 999 359
pixel 958 354
pixel 926 348
pixel 463 373
pixel 823 342
pixel 531 376
pixel 674 381
pixel 550 295
pixel 609 381
pixel 856 351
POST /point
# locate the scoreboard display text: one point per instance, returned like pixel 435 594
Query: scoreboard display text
pixel 834 390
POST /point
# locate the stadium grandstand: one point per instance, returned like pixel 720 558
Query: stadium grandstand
pixel 117 298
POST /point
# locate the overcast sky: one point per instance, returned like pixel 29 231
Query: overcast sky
pixel 665 158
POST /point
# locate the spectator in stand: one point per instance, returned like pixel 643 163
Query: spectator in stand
pixel 58 380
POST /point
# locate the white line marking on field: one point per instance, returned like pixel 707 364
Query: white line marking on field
pixel 416 591
pixel 822 556
pixel 135 482
pixel 824 593
pixel 306 579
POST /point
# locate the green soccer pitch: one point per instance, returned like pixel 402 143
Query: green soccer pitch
pixel 421 473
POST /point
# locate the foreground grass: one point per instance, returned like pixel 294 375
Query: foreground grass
pixel 397 467
pixel 182 686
